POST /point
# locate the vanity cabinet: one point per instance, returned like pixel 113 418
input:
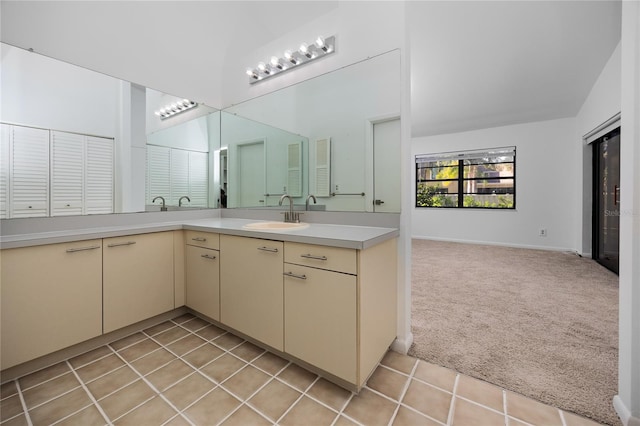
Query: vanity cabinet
pixel 138 278
pixel 51 298
pixel 321 318
pixel 203 273
pixel 340 307
pixel 251 288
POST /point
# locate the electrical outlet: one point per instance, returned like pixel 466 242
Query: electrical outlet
pixel 337 187
pixel 542 232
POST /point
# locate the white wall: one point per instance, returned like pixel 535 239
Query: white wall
pixel 602 103
pixel 237 130
pixel 42 92
pixel 192 135
pixel 544 184
pixel 627 402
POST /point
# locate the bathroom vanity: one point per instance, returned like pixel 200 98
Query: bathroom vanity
pixel 323 296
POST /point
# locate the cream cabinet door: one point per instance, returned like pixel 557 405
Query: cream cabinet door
pixel 137 278
pixel 251 287
pixel 203 281
pixel 51 298
pixel 321 319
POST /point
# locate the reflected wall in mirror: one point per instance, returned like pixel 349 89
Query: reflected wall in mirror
pixel 350 122
pixel 262 163
pixel 74 140
pixel 180 153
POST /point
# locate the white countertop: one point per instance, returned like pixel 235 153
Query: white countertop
pixel 346 236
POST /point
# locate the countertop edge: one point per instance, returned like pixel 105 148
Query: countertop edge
pixel 43 238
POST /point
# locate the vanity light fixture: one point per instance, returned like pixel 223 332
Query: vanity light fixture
pixel 306 53
pixel 175 108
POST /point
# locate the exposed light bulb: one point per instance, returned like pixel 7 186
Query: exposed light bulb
pixel 275 62
pixel 157 113
pixel 289 57
pixel 304 49
pixel 251 73
pixel 263 68
pixel 320 44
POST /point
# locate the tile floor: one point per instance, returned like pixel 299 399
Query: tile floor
pixel 189 372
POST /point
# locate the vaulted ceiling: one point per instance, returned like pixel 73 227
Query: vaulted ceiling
pixel 474 64
pixel 480 64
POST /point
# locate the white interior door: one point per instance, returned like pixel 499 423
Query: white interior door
pixel 251 174
pixel 386 166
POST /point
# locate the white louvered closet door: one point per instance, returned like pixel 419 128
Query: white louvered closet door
pixel 29 188
pixel 5 131
pixel 159 175
pixel 67 173
pixel 294 169
pixel 199 179
pixel 179 175
pixel 99 175
pixel 322 168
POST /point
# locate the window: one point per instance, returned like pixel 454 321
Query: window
pixel 476 179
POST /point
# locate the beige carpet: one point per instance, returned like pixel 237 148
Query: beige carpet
pixel 540 323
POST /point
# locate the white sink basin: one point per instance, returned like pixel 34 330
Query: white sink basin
pixel 275 226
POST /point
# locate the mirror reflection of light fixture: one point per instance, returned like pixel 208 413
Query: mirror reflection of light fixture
pixel 306 53
pixel 175 108
pixel 275 62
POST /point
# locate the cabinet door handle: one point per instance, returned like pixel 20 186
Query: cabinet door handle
pixel 271 249
pixel 200 239
pixel 128 243
pixel 311 256
pixel 292 275
pixel 207 256
pixel 73 250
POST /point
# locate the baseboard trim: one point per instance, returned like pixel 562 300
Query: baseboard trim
pixel 494 243
pixel 624 413
pixel 402 345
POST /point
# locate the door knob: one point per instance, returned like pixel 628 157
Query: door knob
pixel 378 202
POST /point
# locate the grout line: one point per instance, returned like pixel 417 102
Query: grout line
pixel 84 386
pixel 24 404
pixel 145 380
pixel 452 406
pixel 132 409
pixel 403 392
pixel 471 401
pixel 54 398
pixel 73 414
pixel 564 422
pixel 504 407
pixel 44 381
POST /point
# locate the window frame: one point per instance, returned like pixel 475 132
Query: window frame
pixel 460 180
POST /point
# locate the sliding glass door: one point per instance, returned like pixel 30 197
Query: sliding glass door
pixel 606 213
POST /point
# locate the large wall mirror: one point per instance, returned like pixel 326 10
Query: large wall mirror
pixel 78 142
pixel 345 125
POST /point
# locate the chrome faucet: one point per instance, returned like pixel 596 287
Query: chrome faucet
pixel 289 216
pixel 306 203
pixel 163 208
pixel 180 200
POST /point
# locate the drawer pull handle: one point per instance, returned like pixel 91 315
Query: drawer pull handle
pixel 270 249
pixel 73 250
pixel 128 243
pixel 200 239
pixel 311 256
pixel 292 275
pixel 207 256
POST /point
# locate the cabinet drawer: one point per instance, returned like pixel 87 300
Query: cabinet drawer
pixel 203 239
pixel 324 257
